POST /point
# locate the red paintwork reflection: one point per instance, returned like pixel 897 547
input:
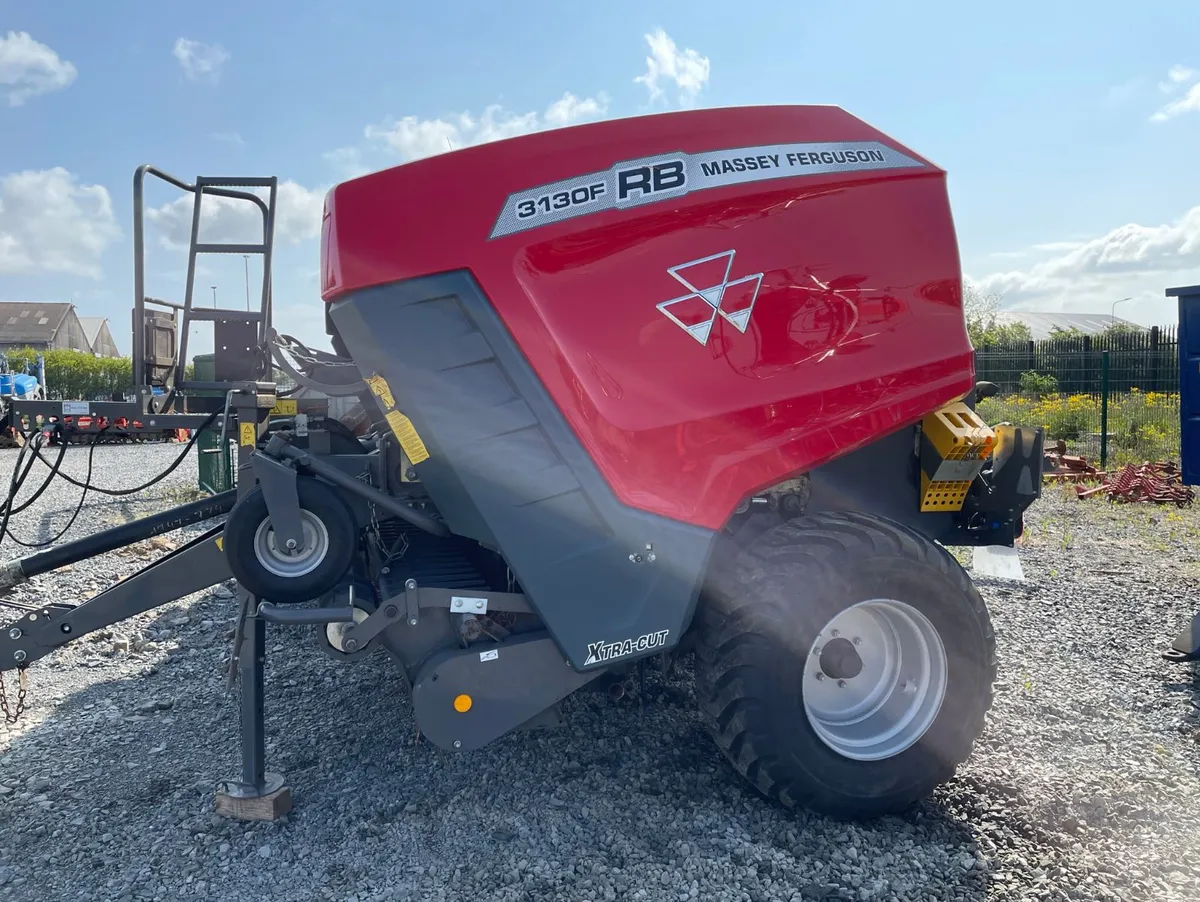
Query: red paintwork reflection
pixel 856 331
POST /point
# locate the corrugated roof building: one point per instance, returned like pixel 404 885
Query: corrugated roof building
pixel 1043 324
pixel 99 336
pixel 41 326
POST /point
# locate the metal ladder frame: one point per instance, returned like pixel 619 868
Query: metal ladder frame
pixel 222 319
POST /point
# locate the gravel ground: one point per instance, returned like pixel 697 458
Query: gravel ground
pixel 1079 789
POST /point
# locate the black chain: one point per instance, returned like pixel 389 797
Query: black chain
pixel 22 686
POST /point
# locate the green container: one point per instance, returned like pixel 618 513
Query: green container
pixel 215 464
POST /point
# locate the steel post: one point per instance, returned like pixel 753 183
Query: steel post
pixel 1103 409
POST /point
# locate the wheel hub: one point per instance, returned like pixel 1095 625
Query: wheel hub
pixel 874 679
pixel 287 562
pixel 840 660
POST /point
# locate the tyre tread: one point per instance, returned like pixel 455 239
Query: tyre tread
pixel 723 690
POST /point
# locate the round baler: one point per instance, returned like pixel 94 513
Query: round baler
pixel 686 385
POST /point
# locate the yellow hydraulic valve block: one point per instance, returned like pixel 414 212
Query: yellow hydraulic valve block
pixel 955 444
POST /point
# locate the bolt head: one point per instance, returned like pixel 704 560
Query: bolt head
pixel 841 684
pixel 290 544
pixel 479 605
pixel 412 621
pixel 820 676
pixel 14 633
pixel 651 557
pixel 834 633
pixel 857 640
pixel 351 644
pixel 457 744
pixel 19 655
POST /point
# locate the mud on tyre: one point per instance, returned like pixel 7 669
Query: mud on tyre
pixel 859 723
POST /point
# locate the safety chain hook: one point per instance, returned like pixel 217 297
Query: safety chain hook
pixel 22 687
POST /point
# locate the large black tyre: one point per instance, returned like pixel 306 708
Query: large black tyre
pixel 758 627
pixel 331 541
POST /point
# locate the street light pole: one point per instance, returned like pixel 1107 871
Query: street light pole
pixel 1113 315
pixel 246 261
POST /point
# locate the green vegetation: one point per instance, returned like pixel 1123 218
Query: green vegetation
pixel 1142 426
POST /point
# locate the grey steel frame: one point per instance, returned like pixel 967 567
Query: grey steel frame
pixel 213 187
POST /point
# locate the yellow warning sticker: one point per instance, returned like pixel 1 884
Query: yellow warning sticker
pixel 410 441
pixel 379 387
pixel 248 434
pixel 284 407
pixel 220 540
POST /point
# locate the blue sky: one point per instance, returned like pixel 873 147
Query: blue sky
pixel 1070 130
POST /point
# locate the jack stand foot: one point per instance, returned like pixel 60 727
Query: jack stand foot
pixel 258 796
pixel 248 803
pixel 1186 646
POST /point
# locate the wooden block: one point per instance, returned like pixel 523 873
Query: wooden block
pixel 269 807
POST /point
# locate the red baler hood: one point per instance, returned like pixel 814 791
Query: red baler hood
pixel 716 299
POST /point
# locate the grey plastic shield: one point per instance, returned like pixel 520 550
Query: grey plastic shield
pixel 633 183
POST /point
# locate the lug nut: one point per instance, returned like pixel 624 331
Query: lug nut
pixel 834 633
pixel 820 676
pixel 19 655
pixel 457 744
pixel 14 633
pixel 290 544
pixel 841 684
pixel 856 640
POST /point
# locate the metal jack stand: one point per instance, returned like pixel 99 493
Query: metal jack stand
pixel 259 795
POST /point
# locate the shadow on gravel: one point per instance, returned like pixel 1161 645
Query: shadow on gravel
pixel 114 792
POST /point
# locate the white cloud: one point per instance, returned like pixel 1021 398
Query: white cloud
pixel 413 138
pixel 224 220
pixel 29 68
pixel 200 61
pixel 1176 76
pixel 1132 259
pixel 51 223
pixel 666 62
pixel 347 161
pixel 1189 102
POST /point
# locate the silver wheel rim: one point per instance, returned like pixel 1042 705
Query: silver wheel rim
pixel 281 562
pixel 897 691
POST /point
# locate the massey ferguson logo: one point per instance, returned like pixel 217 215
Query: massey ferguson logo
pixel 599 652
pixel 711 293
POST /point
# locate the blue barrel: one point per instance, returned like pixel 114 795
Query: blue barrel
pixel 24 386
pixel 6 384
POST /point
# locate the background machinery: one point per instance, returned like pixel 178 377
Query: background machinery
pixel 686 384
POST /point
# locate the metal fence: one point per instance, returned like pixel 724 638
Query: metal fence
pixel 1113 398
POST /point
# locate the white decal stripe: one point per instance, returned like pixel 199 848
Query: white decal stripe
pixel 652 179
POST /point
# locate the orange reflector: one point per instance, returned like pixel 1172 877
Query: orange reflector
pixel 462 703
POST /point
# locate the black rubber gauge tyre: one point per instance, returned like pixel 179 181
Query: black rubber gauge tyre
pixel 844 664
pixel 271 573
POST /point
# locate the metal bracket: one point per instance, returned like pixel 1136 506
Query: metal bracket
pixel 358 635
pixel 278 482
pixel 412 602
pixel 197 565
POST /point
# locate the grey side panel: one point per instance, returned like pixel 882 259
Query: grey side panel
pixel 509 683
pixel 880 478
pixel 506 469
